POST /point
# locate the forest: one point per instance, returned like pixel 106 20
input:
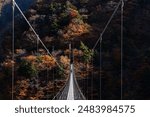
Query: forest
pixel 38 76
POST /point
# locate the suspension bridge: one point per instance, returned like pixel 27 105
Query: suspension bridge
pixel 71 89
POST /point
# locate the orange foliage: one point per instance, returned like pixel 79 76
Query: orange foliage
pixel 21 88
pixel 46 58
pixel 73 13
pixel 8 63
pixel 75 29
pixel 39 94
pixel 67 51
pixel 46 61
pixel 75 52
pixel 22 93
pixel 30 58
pixel 64 60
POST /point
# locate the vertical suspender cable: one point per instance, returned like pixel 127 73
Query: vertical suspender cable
pixel 37 54
pixel 121 2
pixel 122 6
pixel 87 79
pixel 101 68
pixel 53 75
pixel 92 77
pixel 13 51
pixel 37 41
pixel 47 81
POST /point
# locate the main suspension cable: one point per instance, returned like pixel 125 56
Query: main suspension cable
pixel 37 35
pixel 122 10
pixel 100 69
pixel 106 26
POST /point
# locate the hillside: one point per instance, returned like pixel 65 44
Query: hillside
pixel 6 10
pixel 58 23
pixel 3 3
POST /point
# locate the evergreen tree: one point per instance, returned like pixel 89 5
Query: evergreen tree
pixel 87 53
pixel 27 69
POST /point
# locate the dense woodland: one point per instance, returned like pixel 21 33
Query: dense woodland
pixel 80 22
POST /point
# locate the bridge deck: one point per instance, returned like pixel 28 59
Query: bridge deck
pixel 71 91
pixel 71 85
